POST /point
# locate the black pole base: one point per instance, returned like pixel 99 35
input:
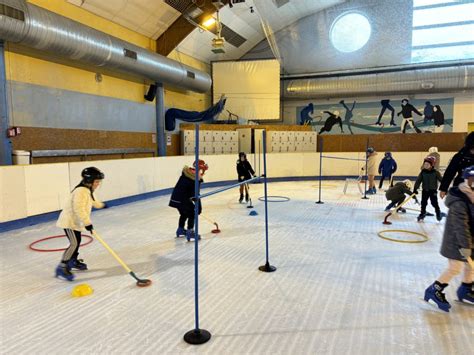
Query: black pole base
pixel 365 198
pixel 267 268
pixel 197 336
pixel 320 202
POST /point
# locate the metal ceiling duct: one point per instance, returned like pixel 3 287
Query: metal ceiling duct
pixel 398 81
pixel 59 37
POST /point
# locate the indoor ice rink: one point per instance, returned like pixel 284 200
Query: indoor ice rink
pixel 236 177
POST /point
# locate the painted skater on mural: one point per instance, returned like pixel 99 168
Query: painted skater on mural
pixel 331 121
pixel 386 106
pixel 407 114
pixel 348 116
pixel 306 115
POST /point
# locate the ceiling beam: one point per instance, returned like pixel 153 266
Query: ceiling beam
pixel 181 28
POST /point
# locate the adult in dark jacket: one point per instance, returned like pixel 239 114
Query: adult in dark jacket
pixel 181 199
pixel 397 194
pixel 460 161
pixel 458 244
pixel 387 167
pixel 428 179
pixel 244 172
pixel 406 112
pixel 332 120
pixel 438 118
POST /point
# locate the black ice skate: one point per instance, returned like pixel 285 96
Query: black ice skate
pixel 421 217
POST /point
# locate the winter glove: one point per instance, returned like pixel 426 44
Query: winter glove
pixel 415 192
pixel 465 252
pixel 90 228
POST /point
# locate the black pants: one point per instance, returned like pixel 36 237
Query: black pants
pixel 326 128
pixel 396 202
pixel 74 243
pixel 387 107
pixel 431 195
pixel 186 215
pixel 382 178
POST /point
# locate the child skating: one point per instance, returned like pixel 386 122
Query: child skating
pixel 457 245
pixel 245 172
pixel 181 199
pixel 371 170
pixel 397 194
pixel 387 167
pixel 76 218
pixel 428 179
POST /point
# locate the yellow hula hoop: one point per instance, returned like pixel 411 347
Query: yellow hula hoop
pixel 424 236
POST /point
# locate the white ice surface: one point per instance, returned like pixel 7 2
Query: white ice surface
pixel 339 289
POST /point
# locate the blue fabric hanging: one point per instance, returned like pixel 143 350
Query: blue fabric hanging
pixel 174 114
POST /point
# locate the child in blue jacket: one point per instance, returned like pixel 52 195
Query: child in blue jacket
pixel 387 167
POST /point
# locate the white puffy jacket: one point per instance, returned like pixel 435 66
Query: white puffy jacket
pixel 77 212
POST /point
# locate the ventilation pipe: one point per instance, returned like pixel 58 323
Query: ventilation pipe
pixel 452 78
pixel 58 37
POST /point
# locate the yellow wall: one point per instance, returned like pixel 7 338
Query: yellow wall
pixel 44 73
pixel 463 113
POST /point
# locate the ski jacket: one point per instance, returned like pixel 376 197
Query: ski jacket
pixel 244 169
pixel 76 214
pixel 459 228
pixel 184 191
pixel 458 163
pixel 397 192
pixel 387 167
pixel 428 179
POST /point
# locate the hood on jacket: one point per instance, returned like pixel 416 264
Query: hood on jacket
pixel 455 195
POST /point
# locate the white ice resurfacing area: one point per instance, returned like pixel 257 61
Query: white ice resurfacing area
pixel 338 288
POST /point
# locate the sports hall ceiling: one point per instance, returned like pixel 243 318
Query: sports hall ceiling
pixel 242 28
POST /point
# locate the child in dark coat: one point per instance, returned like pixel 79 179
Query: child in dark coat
pixel 428 178
pixel 245 172
pixel 181 199
pixel 458 244
pixel 397 194
pixel 387 167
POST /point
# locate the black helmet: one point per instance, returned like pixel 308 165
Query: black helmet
pixel 469 142
pixel 90 174
pixel 242 154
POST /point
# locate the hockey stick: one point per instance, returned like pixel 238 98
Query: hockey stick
pixel 140 282
pixel 385 221
pixel 215 231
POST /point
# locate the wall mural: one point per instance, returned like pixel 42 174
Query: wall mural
pixel 385 116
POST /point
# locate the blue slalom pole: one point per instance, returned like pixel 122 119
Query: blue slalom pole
pixel 267 267
pixel 196 336
pixel 320 168
pixel 366 172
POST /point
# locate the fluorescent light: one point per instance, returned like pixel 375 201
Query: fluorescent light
pixel 209 22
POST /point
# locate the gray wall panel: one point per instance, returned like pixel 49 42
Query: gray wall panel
pixel 39 106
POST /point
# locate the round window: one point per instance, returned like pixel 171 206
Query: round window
pixel 350 32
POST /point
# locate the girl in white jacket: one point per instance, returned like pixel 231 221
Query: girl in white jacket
pixel 75 218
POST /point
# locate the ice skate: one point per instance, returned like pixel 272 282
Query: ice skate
pixel 77 264
pixel 241 198
pixel 439 216
pixel 180 232
pixel 435 293
pixel 465 293
pixel 421 217
pixel 191 235
pixel 63 272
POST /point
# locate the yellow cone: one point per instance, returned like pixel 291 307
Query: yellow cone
pixel 82 290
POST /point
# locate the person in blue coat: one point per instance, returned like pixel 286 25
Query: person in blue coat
pixel 387 168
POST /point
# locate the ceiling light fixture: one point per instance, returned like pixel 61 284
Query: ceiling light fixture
pixel 209 22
